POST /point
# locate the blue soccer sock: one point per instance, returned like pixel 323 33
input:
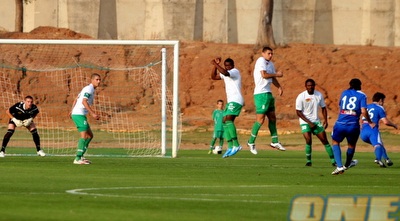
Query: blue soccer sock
pixel 349 156
pixel 378 152
pixel 337 153
pixel 384 154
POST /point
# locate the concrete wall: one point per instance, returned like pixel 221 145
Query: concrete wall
pixel 351 22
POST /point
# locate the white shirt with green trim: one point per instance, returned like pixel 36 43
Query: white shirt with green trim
pixel 233 86
pixel 309 105
pixel 86 93
pixel 263 85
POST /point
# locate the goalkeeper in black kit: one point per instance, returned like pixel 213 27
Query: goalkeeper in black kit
pixel 21 115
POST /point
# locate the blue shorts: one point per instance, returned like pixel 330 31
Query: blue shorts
pixel 371 135
pixel 349 131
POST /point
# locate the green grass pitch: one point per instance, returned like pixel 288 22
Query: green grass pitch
pixel 194 186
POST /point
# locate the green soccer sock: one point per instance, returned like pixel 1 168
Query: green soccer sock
pixel 308 152
pixel 232 132
pixel 329 150
pixel 221 142
pixel 81 147
pixel 212 143
pixel 87 141
pixel 273 131
pixel 227 136
pixel 254 132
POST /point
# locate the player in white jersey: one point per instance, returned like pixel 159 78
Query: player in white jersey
pixel 264 75
pixel 233 87
pixel 80 108
pixel 308 103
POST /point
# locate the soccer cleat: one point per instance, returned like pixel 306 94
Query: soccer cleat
pixel 84 159
pixel 334 165
pixel 252 148
pixel 2 154
pixel 308 164
pixel 41 153
pixel 211 150
pixel 227 153
pixel 338 170
pixel 352 164
pixel 277 146
pixel 389 162
pixel 81 162
pixel 235 150
pixel 380 163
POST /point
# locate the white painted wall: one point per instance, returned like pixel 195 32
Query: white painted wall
pixel 350 22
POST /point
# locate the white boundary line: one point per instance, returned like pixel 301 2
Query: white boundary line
pixel 85 191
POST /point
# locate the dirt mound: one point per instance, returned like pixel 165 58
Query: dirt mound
pixel 330 66
pixel 45 32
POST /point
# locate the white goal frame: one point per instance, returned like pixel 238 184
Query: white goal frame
pixel 175 103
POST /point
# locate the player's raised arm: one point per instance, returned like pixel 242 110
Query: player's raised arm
pixel 218 69
pixel 214 71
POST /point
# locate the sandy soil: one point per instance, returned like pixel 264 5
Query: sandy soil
pixel 331 66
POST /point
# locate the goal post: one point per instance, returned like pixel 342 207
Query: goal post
pixel 138 99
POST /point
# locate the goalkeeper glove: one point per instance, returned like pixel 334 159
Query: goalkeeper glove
pixel 17 122
pixel 27 122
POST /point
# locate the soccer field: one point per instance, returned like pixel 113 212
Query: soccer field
pixel 194 186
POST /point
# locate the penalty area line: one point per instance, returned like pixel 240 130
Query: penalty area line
pixel 99 192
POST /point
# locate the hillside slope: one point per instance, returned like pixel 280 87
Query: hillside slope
pixel 330 66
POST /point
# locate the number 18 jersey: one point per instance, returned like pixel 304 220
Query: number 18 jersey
pixel 351 102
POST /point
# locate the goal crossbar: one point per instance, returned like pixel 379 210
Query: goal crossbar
pixel 173 43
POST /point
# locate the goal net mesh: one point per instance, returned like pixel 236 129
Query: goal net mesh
pixel 128 100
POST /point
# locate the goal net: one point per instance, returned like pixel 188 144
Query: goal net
pixel 137 99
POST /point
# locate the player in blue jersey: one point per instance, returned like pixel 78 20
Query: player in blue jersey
pixel 352 104
pixel 372 135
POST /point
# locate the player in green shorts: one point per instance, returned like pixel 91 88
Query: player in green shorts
pixel 80 108
pixel 233 87
pixel 307 106
pixel 217 116
pixel 264 75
